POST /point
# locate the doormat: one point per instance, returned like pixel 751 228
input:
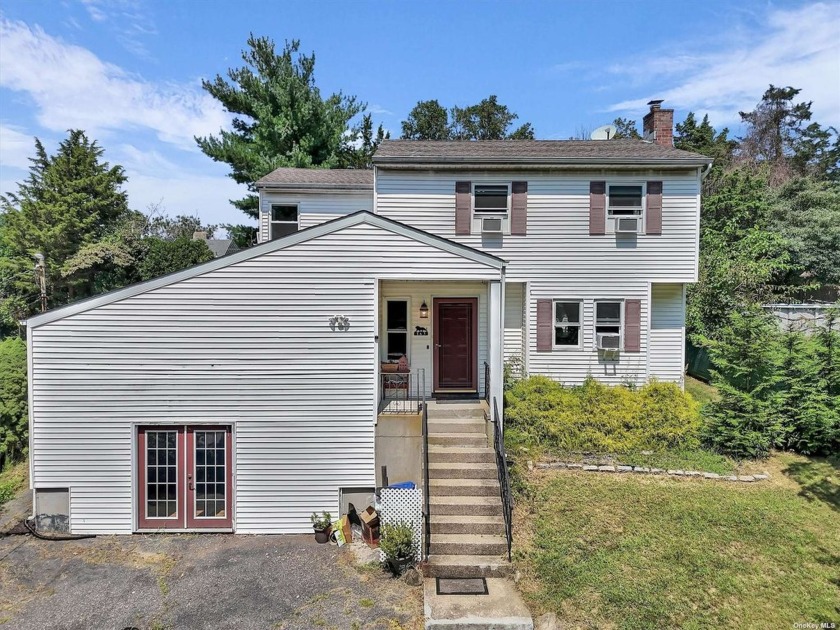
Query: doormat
pixel 461 586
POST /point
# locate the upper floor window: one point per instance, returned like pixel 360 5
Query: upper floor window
pixel 284 220
pixel 567 324
pixel 491 198
pixel 625 200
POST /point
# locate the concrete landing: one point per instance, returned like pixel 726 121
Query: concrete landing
pixel 501 609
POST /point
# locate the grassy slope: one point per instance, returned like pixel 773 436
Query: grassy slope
pixel 12 479
pixel 621 551
pixel 702 392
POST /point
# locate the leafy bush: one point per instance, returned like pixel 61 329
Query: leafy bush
pixel 14 418
pixel 599 418
pixel 397 541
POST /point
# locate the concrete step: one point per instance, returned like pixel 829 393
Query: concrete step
pixel 463 487
pixel 455 409
pixel 466 506
pixel 461 455
pixel 458 439
pixel 460 524
pixel 457 425
pixel 468 545
pixel 450 470
pixel 502 608
pixel 468 566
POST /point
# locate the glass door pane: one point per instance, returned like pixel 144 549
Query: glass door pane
pixel 160 482
pixel 209 477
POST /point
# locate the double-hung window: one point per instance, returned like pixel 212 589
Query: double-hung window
pixel 625 200
pixel 491 199
pixel 567 324
pixel 284 220
pixel 608 324
pixel 396 321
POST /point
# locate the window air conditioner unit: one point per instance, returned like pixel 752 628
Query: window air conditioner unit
pixel 491 225
pixel 627 225
pixel 609 341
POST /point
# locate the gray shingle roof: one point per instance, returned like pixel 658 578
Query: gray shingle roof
pixel 318 178
pixel 221 246
pixel 530 151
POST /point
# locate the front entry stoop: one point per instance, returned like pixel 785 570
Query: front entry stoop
pixel 467 525
pixel 501 609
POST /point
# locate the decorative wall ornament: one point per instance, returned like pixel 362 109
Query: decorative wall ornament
pixel 340 322
pixel 421 331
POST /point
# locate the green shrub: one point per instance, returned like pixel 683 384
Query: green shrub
pixel 397 541
pixel 594 417
pixel 14 415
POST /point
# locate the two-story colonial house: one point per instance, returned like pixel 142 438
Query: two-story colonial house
pixel 247 392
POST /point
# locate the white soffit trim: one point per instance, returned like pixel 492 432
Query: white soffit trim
pixel 302 236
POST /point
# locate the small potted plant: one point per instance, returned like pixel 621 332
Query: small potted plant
pixel 397 543
pixel 321 525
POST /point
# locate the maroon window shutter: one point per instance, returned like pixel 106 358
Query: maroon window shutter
pixel 597 208
pixel 632 325
pixel 653 210
pixel 519 208
pixel 545 325
pixel 463 212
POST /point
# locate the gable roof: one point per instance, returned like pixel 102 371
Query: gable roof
pixel 318 179
pixel 357 218
pixel 539 152
pixel 221 246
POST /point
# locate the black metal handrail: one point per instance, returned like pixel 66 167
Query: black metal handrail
pixel 504 475
pixel 402 392
pixel 487 382
pixel 427 534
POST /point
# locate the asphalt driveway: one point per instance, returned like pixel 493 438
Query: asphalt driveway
pixel 197 581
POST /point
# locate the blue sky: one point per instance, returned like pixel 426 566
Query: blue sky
pixel 129 71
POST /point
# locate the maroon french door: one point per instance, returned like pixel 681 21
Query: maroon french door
pixel 184 477
pixel 456 344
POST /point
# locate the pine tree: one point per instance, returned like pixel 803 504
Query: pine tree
pixel 744 421
pixel 281 118
pixel 69 200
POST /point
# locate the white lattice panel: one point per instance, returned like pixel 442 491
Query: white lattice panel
pixel 406 506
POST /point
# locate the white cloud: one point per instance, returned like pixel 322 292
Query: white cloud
pixel 72 88
pixel 798 47
pixel 126 19
pixel 17 147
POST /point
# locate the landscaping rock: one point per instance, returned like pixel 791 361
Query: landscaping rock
pixel 530 465
pixel 656 471
pixel 624 468
pixel 746 478
pixel 558 464
pixel 679 473
pixel 606 468
pixel 711 475
pixel 542 465
pixel 641 469
pixel 547 621
pixel 693 473
pixel 761 477
pixel 413 577
pixel 731 478
pixel 574 466
pixel 589 467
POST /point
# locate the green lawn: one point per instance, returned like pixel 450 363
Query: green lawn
pixel 701 391
pixel 626 551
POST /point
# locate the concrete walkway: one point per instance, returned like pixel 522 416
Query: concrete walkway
pixel 501 609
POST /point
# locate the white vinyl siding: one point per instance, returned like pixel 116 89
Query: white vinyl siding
pixel 514 322
pixel 667 332
pixel 314 208
pixel 558 247
pixel 572 365
pixel 247 344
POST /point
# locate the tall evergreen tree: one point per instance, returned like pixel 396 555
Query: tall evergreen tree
pixel 486 120
pixel 280 116
pixel 625 129
pixel 428 120
pixel 69 200
pixel 362 144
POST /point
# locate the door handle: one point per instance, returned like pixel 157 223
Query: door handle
pixel 437 345
pixel 190 483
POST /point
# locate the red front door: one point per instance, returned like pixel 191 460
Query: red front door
pixel 184 477
pixel 456 344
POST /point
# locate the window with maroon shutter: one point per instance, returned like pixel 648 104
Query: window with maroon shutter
pixel 632 325
pixel 519 209
pixel 463 210
pixel 545 325
pixel 597 208
pixel 653 210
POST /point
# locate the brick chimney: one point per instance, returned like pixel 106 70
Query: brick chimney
pixel 658 124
